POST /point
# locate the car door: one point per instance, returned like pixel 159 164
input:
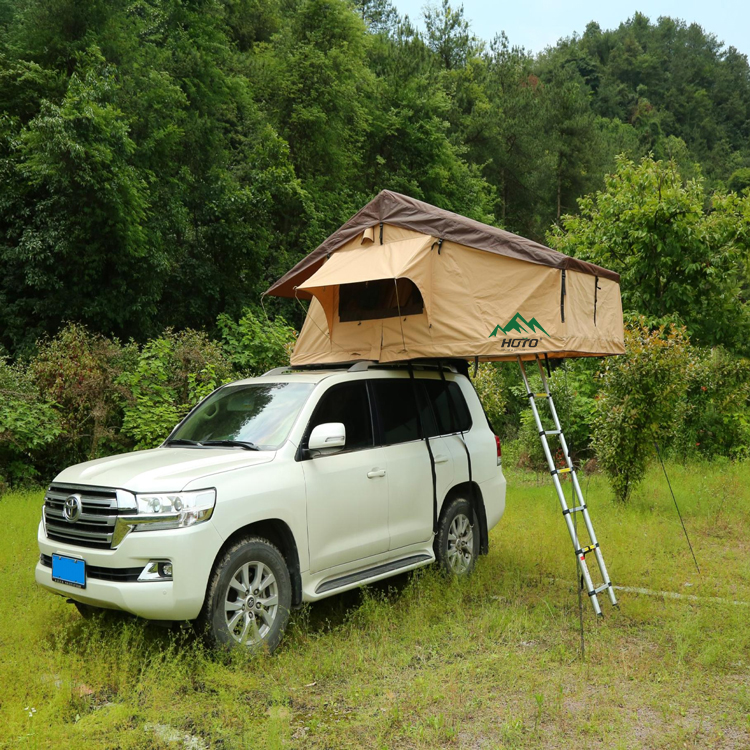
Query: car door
pixel 410 493
pixel 347 489
pixel 453 422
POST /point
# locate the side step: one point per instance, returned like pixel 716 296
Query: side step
pixel 377 570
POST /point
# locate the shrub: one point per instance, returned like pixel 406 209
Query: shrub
pixel 172 373
pixel 491 391
pixel 716 414
pixel 255 345
pixel 28 424
pixel 79 371
pixel 639 402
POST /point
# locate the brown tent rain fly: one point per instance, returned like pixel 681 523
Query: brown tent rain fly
pixel 405 280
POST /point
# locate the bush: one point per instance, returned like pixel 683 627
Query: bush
pixel 172 373
pixel 79 371
pixel 640 402
pixel 492 393
pixel 254 345
pixel 28 424
pixel 716 415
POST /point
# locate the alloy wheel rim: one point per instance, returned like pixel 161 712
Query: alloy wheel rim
pixel 460 544
pixel 251 603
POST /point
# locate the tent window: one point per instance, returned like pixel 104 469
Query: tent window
pixel 382 298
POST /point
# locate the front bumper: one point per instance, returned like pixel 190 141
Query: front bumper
pixel 191 551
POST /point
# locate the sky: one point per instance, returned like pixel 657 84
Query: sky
pixel 536 24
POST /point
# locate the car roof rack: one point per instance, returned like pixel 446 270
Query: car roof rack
pixel 363 365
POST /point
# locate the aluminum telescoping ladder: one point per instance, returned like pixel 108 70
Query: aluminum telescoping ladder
pixel 593 546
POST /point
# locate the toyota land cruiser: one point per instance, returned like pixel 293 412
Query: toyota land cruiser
pixel 279 490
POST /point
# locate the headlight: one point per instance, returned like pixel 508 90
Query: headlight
pixel 173 510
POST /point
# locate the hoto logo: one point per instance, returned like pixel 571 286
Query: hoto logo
pixel 72 508
pixel 519 325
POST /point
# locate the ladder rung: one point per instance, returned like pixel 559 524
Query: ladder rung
pixel 574 510
pixel 553 432
pixel 599 589
pixel 564 471
pixel 585 550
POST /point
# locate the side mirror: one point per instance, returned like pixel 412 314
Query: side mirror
pixel 328 435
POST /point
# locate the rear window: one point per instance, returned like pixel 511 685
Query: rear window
pixel 397 410
pixel 448 403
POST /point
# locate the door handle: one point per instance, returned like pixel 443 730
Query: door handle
pixel 441 459
pixel 375 473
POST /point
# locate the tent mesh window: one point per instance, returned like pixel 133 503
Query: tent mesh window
pixel 382 298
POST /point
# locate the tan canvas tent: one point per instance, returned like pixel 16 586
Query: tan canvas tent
pixel 405 280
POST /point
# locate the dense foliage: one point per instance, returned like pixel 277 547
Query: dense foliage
pixel 163 161
pixel 638 402
pixel 680 253
pixel 83 395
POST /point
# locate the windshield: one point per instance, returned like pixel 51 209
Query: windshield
pixel 259 413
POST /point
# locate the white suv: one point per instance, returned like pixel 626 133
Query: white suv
pixel 279 490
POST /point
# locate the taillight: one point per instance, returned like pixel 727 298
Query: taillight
pixel 499 450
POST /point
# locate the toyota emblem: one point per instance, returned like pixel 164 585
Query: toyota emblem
pixel 72 508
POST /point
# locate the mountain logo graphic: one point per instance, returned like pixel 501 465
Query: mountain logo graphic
pixel 520 325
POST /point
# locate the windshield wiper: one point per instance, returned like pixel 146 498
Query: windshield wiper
pixel 247 445
pixel 182 441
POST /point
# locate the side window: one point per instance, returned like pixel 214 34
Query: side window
pixel 347 403
pixel 453 415
pixel 397 410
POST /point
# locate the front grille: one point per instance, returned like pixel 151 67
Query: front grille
pixel 102 574
pixel 96 524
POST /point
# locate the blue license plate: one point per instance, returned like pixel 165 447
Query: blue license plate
pixel 69 570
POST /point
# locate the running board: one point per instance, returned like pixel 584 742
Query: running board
pixel 378 570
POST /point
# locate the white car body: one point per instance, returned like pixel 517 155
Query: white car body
pixel 342 519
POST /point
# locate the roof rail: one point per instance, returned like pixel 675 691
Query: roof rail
pixel 362 366
pixel 366 364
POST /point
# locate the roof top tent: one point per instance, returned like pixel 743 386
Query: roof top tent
pixel 403 280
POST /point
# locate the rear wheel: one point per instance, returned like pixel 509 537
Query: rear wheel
pixel 457 542
pixel 249 597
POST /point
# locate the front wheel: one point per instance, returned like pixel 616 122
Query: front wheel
pixel 249 597
pixel 457 541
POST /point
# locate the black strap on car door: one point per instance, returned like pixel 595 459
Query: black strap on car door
pixel 475 501
pixel 423 435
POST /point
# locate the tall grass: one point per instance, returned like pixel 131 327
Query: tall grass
pixel 422 661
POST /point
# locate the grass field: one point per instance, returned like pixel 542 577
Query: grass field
pixel 422 662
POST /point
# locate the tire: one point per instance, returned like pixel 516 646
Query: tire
pixel 457 541
pixel 237 611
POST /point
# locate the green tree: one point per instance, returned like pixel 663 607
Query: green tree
pixel 638 403
pixel 678 253
pixel 449 35
pixel 172 373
